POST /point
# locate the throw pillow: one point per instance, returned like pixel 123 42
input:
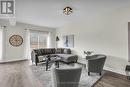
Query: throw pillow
pixel 59 50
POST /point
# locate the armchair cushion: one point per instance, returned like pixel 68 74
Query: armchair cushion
pixel 66 77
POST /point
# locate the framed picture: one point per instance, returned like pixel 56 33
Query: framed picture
pixel 68 41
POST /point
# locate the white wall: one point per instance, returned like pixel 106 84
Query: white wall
pixel 106 34
pixel 11 52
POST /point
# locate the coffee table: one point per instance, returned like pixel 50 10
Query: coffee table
pixel 55 60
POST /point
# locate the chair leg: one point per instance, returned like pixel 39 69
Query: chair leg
pixel 36 63
pixel 88 73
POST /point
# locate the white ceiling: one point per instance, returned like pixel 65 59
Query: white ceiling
pixel 49 12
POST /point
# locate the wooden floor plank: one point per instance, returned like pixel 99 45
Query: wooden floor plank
pixel 111 79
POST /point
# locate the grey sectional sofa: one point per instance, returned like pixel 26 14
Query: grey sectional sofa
pixel 38 55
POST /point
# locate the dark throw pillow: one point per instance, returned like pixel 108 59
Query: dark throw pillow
pixel 59 50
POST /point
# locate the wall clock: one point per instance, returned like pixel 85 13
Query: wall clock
pixel 16 40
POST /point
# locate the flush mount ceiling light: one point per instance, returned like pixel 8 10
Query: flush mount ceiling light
pixel 67 10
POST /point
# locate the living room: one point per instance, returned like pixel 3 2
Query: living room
pixel 97 26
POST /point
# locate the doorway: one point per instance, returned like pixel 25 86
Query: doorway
pixel 129 41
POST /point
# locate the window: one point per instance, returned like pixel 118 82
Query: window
pixel 1 41
pixel 38 40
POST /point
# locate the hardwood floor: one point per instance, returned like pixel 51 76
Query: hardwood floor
pixel 17 74
pixel 111 79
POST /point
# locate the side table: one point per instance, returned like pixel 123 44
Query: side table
pixel 82 61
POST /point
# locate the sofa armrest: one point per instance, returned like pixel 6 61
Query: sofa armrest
pixel 34 57
pixel 74 57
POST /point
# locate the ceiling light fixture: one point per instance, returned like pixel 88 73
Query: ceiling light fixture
pixel 67 10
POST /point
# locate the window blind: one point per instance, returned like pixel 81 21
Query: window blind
pixel 38 39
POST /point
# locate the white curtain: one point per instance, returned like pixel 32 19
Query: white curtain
pixel 27 50
pixel 49 40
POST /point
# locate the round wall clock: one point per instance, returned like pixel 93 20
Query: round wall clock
pixel 16 40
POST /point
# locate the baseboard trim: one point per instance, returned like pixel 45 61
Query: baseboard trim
pixel 114 70
pixel 12 61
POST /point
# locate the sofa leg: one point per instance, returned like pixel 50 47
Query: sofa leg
pixel 68 63
pixel 88 73
pixel 100 73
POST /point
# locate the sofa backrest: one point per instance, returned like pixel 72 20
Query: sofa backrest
pixel 59 51
pixel 67 51
pixel 48 51
pixel 44 51
pixel 63 51
pixel 52 51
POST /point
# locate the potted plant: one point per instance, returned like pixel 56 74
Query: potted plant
pixel 88 53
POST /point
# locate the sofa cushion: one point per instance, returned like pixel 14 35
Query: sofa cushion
pixel 38 52
pixel 41 58
pixel 43 51
pixel 53 50
pixel 49 51
pixel 46 51
pixel 59 50
pixel 67 51
pixel 68 57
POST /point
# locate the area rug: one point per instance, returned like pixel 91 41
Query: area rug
pixel 45 77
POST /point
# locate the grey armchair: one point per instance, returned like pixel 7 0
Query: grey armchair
pixel 66 77
pixel 96 63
